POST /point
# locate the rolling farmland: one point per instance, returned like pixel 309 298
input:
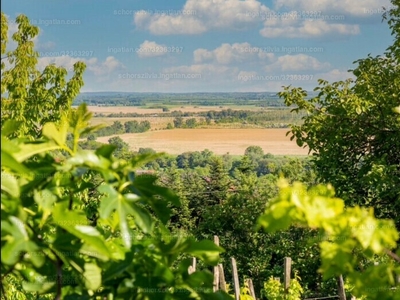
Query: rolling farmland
pixel 220 141
pixel 218 138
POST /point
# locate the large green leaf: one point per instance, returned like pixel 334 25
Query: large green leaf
pixel 91 129
pixel 50 131
pixel 9 184
pixel 123 206
pixel 92 276
pixel 9 127
pixel 29 149
pixel 142 218
pixel 117 268
pixel 76 224
pixel 146 185
pixel 106 151
pixel 7 160
pixel 18 243
pixel 205 250
pixel 45 199
pixel 40 287
pixel 89 158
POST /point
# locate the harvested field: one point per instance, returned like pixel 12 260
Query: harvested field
pixel 123 109
pixel 219 141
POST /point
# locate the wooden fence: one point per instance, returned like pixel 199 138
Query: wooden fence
pixel 219 282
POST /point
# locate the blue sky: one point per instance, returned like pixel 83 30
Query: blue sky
pixel 205 45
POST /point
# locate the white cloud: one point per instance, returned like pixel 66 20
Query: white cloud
pixel 291 28
pixel 335 75
pixel 299 62
pixel 164 24
pixel 198 16
pixel 109 65
pixel 323 18
pixel 102 68
pixel 235 53
pixel 151 49
pixel 46 46
pixel 217 78
pixel 62 61
pixel 348 7
pixel 241 66
pixel 203 69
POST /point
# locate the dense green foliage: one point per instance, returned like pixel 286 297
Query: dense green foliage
pixel 349 237
pixel 84 220
pixel 353 131
pixel 273 289
pixel 267 117
pixel 123 251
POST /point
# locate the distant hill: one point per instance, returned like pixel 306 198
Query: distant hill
pixel 196 98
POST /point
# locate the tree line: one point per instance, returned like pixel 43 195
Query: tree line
pixel 118 128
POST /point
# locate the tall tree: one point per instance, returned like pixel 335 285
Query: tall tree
pixel 29 96
pixel 217 183
pixel 353 131
pixel 122 148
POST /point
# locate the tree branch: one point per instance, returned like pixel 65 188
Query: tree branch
pixel 3 292
pixel 59 278
pixel 392 255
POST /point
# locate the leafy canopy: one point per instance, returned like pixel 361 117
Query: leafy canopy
pixel 29 95
pixel 347 237
pixel 353 131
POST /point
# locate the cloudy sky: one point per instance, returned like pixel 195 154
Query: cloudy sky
pixel 205 45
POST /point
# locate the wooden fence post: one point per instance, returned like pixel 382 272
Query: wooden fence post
pixel 341 291
pixel 236 284
pixel 192 268
pixel 286 273
pixel 251 287
pixel 222 282
pixel 216 269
